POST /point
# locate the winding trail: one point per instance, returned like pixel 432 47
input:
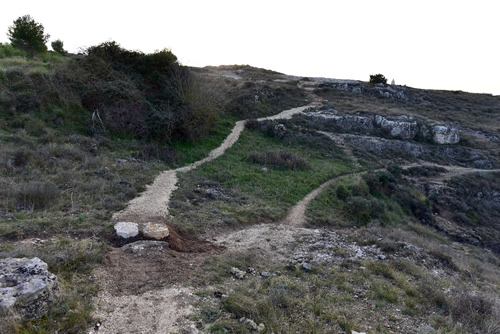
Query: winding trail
pixel 153 202
pixel 297 215
pixel 167 308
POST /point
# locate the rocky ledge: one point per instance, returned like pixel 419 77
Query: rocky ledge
pixel 397 127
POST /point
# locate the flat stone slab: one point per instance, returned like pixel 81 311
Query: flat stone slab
pixel 26 287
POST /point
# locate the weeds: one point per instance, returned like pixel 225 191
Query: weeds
pixel 280 159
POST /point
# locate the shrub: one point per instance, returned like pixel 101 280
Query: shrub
pixel 253 124
pixel 7 51
pixel 342 193
pixel 58 46
pixel 279 159
pixel 145 96
pixel 377 78
pixel 36 195
pixel 473 311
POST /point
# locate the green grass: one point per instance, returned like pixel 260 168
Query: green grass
pixel 192 151
pixel 256 191
pixel 322 301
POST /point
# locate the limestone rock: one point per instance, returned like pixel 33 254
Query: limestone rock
pixel 404 129
pixel 346 122
pixel 127 229
pixel 306 266
pixel 239 274
pixel 251 324
pixel 155 231
pixel 445 135
pixel 265 274
pixel 26 287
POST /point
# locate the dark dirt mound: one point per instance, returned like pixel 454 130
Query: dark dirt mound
pixel 149 265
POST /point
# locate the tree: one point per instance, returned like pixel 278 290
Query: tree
pixel 58 46
pixel 28 35
pixel 377 78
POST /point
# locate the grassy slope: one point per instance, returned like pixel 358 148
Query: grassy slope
pixel 61 183
pixel 90 185
pixel 254 193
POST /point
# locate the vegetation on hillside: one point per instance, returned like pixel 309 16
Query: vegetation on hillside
pixel 81 135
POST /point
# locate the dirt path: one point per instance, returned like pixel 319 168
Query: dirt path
pixel 451 172
pixel 154 201
pixel 297 214
pixel 141 291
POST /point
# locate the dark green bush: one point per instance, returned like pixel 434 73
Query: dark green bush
pixel 58 46
pixel 342 193
pixel 7 51
pixel 377 78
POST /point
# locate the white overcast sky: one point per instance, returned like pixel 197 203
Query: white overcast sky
pixel 436 44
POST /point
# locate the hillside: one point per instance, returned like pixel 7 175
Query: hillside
pixel 305 205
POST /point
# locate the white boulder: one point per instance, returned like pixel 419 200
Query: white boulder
pixel 127 229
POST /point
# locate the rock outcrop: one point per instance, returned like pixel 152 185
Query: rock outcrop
pixel 27 288
pixel 397 127
pixel 404 127
pixel 445 135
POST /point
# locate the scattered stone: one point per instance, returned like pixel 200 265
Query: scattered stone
pixel 218 294
pixel 155 231
pixel 265 274
pixel 277 273
pixel 354 332
pixel 127 229
pixel 250 323
pixel 306 266
pixel 279 130
pixel 26 287
pixel 239 274
pixel 261 328
pixel 250 270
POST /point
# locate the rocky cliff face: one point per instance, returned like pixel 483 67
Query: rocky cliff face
pixel 398 127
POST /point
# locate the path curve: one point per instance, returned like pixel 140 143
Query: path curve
pixel 297 214
pixel 153 202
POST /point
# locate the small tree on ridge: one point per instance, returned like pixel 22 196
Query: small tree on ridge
pixel 28 35
pixel 378 78
pixel 58 46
